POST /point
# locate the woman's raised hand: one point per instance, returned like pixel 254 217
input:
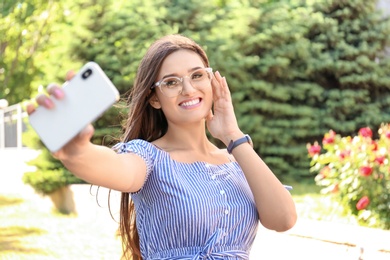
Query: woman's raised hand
pixel 222 122
pixel 74 146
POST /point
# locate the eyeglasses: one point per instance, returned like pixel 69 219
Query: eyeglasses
pixel 173 86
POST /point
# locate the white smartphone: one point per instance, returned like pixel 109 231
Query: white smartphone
pixel 87 96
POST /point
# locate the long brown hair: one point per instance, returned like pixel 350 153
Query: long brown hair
pixel 147 123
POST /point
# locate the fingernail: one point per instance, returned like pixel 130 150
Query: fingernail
pixel 59 94
pixel 48 103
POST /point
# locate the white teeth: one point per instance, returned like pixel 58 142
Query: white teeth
pixel 190 103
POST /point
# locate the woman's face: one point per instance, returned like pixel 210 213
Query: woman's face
pixel 194 101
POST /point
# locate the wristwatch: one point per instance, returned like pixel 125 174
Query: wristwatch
pixel 242 140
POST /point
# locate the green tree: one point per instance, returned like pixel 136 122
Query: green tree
pixel 305 67
pixel 47 63
pixel 26 29
pixel 116 36
pixel 295 68
pixel 354 69
pixel 283 61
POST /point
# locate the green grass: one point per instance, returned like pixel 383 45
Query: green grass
pixel 11 240
pixel 9 201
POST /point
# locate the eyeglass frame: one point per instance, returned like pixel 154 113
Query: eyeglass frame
pixel 181 79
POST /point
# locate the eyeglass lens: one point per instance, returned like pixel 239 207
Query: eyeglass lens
pixel 173 86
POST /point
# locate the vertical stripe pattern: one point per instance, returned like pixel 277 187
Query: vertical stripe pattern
pixel 192 210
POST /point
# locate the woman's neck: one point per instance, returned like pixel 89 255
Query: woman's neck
pixel 187 138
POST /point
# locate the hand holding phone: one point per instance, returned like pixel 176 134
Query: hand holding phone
pixel 86 96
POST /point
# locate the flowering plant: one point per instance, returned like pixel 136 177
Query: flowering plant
pixel 357 171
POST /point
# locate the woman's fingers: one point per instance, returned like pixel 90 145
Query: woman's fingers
pixel 221 90
pixel 209 115
pixel 217 84
pixel 53 90
pixel 44 100
pixel 87 132
pixel 56 91
pixel 30 108
pixel 70 74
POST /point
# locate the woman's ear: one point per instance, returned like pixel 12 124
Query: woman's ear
pixel 154 102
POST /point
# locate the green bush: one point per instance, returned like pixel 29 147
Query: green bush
pixel 50 174
pixel 356 170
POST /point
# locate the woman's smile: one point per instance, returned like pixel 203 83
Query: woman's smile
pixel 188 104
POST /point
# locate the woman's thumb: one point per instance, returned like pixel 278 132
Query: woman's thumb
pixel 209 115
pixel 87 132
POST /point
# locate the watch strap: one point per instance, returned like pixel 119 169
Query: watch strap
pixel 242 140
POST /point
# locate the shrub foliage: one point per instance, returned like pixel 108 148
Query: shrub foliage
pixel 357 171
pixel 295 68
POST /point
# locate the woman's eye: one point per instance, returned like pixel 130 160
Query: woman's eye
pixel 171 83
pixel 197 75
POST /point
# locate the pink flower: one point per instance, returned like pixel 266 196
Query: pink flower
pixel 380 159
pixel 365 171
pixel 329 137
pixel 313 149
pixel 365 132
pixel 362 203
pixel 324 172
pixel 344 154
pixel 387 134
pixel 374 145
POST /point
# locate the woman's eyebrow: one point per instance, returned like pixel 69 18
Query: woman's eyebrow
pixel 195 68
pixel 177 75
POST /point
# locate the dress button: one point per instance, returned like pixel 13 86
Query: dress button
pixel 222 192
pixel 213 177
pixel 226 211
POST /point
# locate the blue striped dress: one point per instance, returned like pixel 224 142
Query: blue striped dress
pixel 192 210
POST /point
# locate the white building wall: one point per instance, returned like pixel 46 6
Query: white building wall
pixel 385 6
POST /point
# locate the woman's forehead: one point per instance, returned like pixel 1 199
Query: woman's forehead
pixel 181 61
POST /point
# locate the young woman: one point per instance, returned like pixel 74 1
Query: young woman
pixel 189 199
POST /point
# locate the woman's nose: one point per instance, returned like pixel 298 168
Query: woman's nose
pixel 188 88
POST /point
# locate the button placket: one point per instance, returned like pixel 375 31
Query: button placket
pixel 218 177
pixel 214 172
pixel 213 176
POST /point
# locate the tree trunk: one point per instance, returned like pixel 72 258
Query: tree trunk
pixel 63 200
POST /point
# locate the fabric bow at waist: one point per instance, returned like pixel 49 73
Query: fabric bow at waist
pixel 208 253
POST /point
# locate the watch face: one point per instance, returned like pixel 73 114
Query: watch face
pixel 249 140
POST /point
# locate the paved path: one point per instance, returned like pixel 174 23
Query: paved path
pixel 309 239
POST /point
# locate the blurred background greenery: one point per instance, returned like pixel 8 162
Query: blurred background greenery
pixel 296 68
